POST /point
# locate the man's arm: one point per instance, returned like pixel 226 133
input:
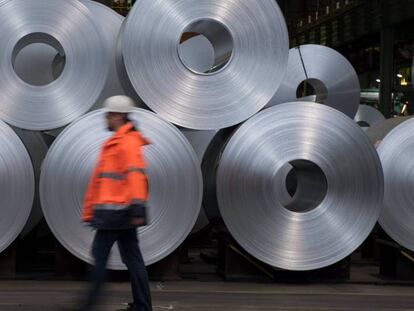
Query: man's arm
pixel 136 177
pixel 87 214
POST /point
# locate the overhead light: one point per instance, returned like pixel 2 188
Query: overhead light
pixel 399 75
pixel 378 80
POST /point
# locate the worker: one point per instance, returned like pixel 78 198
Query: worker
pixel 115 203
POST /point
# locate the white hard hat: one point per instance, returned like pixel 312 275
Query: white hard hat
pixel 120 104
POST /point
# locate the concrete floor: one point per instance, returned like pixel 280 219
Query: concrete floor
pixel 204 296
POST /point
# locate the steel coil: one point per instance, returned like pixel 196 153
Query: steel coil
pixel 250 40
pixel 40 63
pixel 37 149
pixel 17 186
pixel 368 116
pixel 175 185
pixel 338 194
pixel 396 152
pixel 68 27
pixel 332 78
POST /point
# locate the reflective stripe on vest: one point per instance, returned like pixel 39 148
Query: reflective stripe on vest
pixel 112 176
pixel 110 207
pixel 117 176
pixel 117 207
pixel 137 170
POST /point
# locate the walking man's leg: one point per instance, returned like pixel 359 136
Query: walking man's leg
pixel 102 244
pixel 132 257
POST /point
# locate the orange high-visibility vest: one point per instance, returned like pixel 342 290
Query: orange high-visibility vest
pixel 119 180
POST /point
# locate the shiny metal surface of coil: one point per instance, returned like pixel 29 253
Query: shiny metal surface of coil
pixel 329 73
pixel 17 186
pixel 174 176
pixel 67 26
pixel 338 195
pixel 250 40
pixel 396 152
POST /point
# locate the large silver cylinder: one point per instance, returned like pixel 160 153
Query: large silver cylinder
pixel 337 197
pixel 68 27
pixel 174 176
pixel 17 186
pixel 325 73
pixel 250 41
pixel 396 152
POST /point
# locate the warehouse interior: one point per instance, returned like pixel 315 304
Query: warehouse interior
pixel 295 197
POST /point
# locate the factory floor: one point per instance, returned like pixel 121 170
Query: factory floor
pixel 195 295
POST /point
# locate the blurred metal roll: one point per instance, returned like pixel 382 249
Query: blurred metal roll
pixel 378 131
pixel 37 149
pixel 17 186
pixel 68 27
pixel 174 175
pixel 250 41
pixel 329 74
pixel 339 188
pixel 367 116
pixel 396 152
pixel 200 140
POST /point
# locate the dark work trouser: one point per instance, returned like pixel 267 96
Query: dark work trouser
pixel 131 256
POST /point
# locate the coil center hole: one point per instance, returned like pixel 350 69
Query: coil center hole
pixel 313 90
pixel 306 183
pixel 38 59
pixel 205 47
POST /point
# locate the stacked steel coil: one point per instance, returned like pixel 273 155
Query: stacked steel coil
pixel 250 40
pixel 393 140
pixel 17 186
pixel 68 26
pixel 396 151
pixel 329 74
pixel 339 186
pixel 174 175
